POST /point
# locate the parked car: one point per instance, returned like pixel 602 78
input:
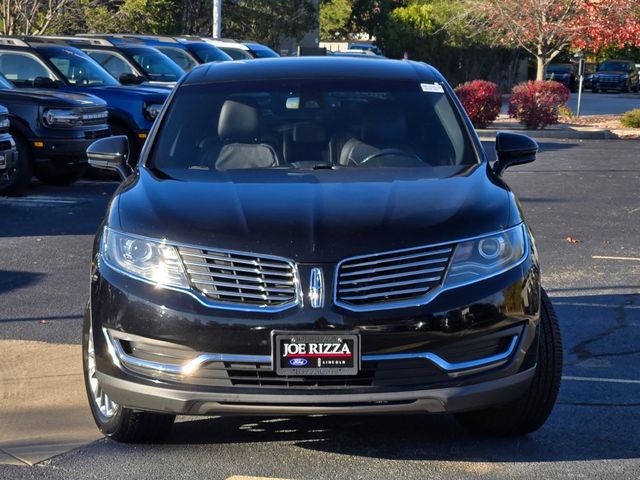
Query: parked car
pixel 187 53
pixel 233 48
pixel 316 236
pixel 129 64
pixel 366 46
pixel 52 131
pixel 563 73
pixel 63 68
pixel 8 154
pixel 257 50
pixel 620 75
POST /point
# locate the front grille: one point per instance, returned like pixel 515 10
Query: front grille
pixel 241 278
pixel 94 134
pixel 94 116
pixel 610 78
pixel 391 276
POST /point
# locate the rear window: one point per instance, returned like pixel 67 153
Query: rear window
pixel 311 124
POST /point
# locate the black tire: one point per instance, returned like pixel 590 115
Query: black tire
pixel 62 176
pixel 14 180
pixel 125 425
pixel 528 413
pixel 595 90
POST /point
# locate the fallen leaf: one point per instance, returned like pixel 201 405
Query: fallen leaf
pixel 572 240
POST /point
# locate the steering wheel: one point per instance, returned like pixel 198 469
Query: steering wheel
pixel 393 151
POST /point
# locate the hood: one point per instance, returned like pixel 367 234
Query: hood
pixel 313 216
pixel 52 97
pixel 146 94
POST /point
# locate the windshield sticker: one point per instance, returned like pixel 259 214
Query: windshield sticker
pixel 432 87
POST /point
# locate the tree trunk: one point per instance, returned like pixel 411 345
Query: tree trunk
pixel 541 63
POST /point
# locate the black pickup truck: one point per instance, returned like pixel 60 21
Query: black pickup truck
pixel 8 153
pixel 52 131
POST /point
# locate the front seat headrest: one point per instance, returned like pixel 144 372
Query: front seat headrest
pixel 238 121
pixel 383 123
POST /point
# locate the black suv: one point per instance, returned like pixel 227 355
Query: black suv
pixel 317 236
pixel 620 75
pixel 52 131
pixel 8 153
pixel 563 73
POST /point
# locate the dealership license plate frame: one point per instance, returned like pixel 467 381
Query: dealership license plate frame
pixel 278 337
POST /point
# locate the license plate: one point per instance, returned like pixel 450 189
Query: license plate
pixel 3 162
pixel 316 354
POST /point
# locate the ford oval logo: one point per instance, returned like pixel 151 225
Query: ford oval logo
pixel 298 362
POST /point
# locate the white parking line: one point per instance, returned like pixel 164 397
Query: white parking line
pixel 605 257
pixel 602 380
pixel 597 305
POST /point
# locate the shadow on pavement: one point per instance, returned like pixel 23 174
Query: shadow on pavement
pixel 13 280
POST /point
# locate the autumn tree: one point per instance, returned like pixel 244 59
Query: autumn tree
pixel 545 28
pixel 29 17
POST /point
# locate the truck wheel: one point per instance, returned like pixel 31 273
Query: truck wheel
pixel 528 413
pixel 60 177
pixel 16 178
pixel 116 421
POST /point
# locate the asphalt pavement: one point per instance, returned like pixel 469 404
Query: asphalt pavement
pixel 581 199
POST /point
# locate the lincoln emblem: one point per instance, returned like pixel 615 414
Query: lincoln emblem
pixel 316 288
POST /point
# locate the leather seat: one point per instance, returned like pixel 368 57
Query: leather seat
pixel 239 145
pixel 384 126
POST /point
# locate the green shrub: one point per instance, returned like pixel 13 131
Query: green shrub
pixel 631 119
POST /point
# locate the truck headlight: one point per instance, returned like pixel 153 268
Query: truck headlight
pixel 61 117
pixel 485 257
pixel 152 110
pixel 143 258
pixel 4 123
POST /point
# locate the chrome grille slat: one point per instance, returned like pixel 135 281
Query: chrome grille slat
pixel 389 284
pixel 393 278
pixel 393 275
pixel 386 294
pixel 395 267
pixel 396 259
pixel 240 278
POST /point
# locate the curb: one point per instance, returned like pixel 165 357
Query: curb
pixel 564 134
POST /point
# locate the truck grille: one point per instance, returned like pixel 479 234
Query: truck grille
pixel 390 277
pixel 94 116
pixel 241 278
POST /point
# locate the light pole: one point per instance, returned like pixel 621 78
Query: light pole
pixel 217 18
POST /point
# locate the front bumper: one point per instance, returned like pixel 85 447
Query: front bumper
pixel 64 151
pixel 485 337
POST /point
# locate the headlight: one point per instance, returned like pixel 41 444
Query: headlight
pixel 485 257
pixel 153 110
pixel 146 259
pixel 61 117
pixel 4 123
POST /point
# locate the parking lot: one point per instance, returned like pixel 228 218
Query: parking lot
pixel 581 198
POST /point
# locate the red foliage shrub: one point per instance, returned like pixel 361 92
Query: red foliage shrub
pixel 536 104
pixel 481 100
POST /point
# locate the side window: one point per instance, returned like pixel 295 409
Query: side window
pixel 22 68
pixel 111 62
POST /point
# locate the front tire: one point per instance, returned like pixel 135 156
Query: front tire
pixel 15 179
pixel 116 421
pixel 528 413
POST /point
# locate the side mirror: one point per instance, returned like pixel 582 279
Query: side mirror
pixel 130 79
pixel 44 82
pixel 513 149
pixel 110 153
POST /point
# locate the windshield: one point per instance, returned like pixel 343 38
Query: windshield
pixel 614 66
pixel 311 125
pixel 180 57
pixel 237 53
pixel 558 69
pixel 263 52
pixel 156 65
pixel 5 84
pixel 208 53
pixel 79 69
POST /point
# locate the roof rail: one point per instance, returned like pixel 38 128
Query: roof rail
pixel 66 40
pixel 16 42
